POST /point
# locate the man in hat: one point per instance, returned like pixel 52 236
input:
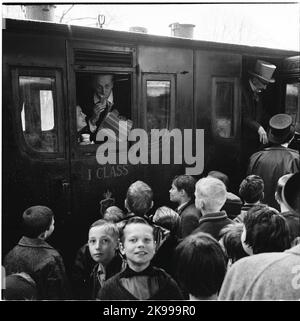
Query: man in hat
pixel 273 162
pixel 254 114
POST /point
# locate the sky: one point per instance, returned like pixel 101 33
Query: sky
pixel 273 25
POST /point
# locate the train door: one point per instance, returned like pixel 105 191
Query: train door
pixel 290 79
pixel 96 186
pixel 165 93
pixel 217 110
pixel 35 147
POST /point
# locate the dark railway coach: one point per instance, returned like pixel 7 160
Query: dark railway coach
pixel 160 83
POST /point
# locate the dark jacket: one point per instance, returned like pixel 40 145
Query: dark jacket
pixel 165 255
pixel 293 223
pixel 270 164
pixel 244 210
pixel 189 219
pixel 114 290
pixel 43 263
pixel 254 114
pixel 84 274
pixel 232 205
pixel 213 223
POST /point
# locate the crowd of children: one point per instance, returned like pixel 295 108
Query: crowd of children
pixel 196 252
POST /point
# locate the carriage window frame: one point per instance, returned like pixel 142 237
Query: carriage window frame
pixel 159 77
pixel 58 110
pixel 292 82
pixel 82 151
pixel 234 81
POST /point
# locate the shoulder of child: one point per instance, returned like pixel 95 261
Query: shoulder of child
pixel 108 288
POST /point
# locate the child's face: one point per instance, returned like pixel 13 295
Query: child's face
pixel 102 245
pixel 139 245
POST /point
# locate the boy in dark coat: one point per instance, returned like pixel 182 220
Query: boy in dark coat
pixel 96 261
pixel 210 197
pixel 34 256
pixel 140 280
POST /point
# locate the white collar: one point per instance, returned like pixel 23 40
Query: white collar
pixel 252 85
pixel 100 268
pixel 181 205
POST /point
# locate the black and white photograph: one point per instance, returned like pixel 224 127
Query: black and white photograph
pixel 150 153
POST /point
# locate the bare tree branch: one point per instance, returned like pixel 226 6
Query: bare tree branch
pixel 65 12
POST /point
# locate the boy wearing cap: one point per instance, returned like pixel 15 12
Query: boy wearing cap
pixel 273 162
pixel 34 256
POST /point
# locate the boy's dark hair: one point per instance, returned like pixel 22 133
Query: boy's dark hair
pixel 231 238
pixel 221 176
pixel 266 230
pixel 167 218
pixel 110 227
pixel 251 189
pixel 187 183
pixel 36 220
pixel 201 265
pixel 134 220
pixel 139 198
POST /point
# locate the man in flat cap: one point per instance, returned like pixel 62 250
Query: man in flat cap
pixel 254 114
pixel 273 162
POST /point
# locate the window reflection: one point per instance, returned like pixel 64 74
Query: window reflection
pixel 292 100
pixel 158 104
pixel 224 109
pixel 37 112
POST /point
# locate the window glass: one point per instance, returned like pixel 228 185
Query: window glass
pixel 224 104
pixel 37 113
pixel 292 100
pixel 158 104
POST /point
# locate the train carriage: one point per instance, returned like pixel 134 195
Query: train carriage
pixel 162 83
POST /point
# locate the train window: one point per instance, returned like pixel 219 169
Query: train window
pixel 292 101
pixel 223 106
pixel 159 101
pixel 103 101
pixel 37 113
pixel 158 104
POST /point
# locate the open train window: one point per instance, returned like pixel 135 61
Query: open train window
pixel 103 100
pixel 38 112
pixel 224 104
pixel 159 101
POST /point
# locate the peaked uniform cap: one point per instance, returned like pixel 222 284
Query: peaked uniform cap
pixel 281 129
